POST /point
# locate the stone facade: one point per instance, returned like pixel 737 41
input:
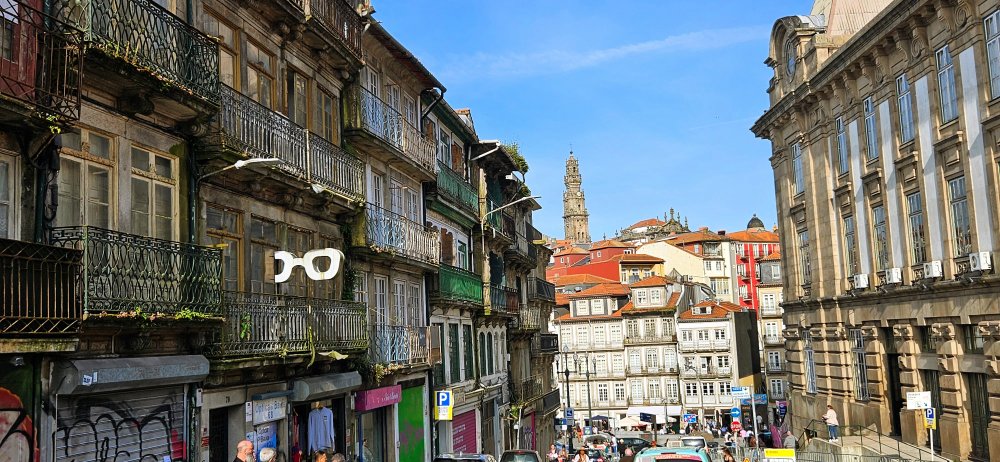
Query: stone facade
pixel 885 149
pixel 576 220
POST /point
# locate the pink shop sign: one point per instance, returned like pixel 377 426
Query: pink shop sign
pixel 368 400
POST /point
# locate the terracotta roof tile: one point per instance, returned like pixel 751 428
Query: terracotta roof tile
pixel 670 305
pixel 613 290
pixel 609 244
pixel 562 299
pixel 702 235
pixel 637 258
pixel 572 251
pixel 753 235
pixel 571 279
pixel 647 222
pixel 719 311
pixel 652 281
pixel 773 256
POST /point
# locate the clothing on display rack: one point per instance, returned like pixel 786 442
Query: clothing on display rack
pixel 321 431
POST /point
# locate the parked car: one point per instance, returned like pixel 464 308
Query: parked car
pixel 696 442
pixel 597 455
pixel 637 444
pixel 520 455
pixel 464 458
pixel 672 454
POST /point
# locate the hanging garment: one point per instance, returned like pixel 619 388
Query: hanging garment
pixel 321 431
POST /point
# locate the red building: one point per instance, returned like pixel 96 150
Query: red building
pixel 751 246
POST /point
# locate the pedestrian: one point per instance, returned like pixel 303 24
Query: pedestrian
pixel 790 441
pixel 832 424
pixel 752 443
pixel 244 449
pixel 552 453
pixel 727 456
pixel 563 456
pixel 581 456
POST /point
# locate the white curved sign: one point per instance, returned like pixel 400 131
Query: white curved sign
pixel 307 262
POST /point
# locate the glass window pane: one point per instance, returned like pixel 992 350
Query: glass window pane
pixel 100 146
pixel 164 210
pixel 164 167
pixel 140 159
pixel 98 197
pixel 70 194
pixel 140 206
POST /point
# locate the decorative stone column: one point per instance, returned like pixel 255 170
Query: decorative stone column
pixel 953 423
pixel 911 427
pixel 990 330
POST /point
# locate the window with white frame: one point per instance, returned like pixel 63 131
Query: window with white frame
pixel 615 334
pixel 850 246
pixel 649 328
pixel 154 191
pixel 582 336
pixel 617 363
pixel 768 302
pixel 583 308
pixel 7 196
pixel 904 103
pixel 444 146
pixel 652 357
pixel 655 297
pixel 667 326
pixel 691 390
pixel 686 336
pixel 961 228
pixel 654 389
pixel 597 306
pixel 992 28
pixel 640 297
pixel 670 391
pixel 771 329
pixel 722 361
pixel 633 328
pixel 600 334
pixel 725 389
pixel 361 288
pixel 946 85
pixel 670 357
pixel 636 390
pixel 777 387
pixel 708 388
pixel 704 335
pixel 774 360
pixel 619 392
pixel 880 240
pixel 86 187
pixel 602 392
pixel 859 364
pixel 600 364
pixel 871 129
pixel 915 218
pixel 797 174
pixel 720 334
pixel 635 360
pixel 708 266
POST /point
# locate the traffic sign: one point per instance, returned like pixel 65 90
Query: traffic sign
pixel 741 392
pixel 568 413
pixel 691 418
pixel 758 398
pixel 648 418
pixel 930 420
pixel 736 426
pixel 443 406
pixel 782 408
pixel 735 412
pixel 918 400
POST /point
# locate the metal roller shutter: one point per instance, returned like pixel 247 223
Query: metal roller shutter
pixel 139 425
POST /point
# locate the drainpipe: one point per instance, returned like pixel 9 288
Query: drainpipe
pixel 192 198
pixel 430 107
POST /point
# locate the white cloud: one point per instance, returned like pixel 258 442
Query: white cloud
pixel 520 64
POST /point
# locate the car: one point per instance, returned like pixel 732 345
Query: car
pixel 637 444
pixel 597 455
pixel 520 455
pixel 672 454
pixel 465 458
pixel 696 442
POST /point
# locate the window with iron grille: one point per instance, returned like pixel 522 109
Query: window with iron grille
pixel 860 365
pixel 810 362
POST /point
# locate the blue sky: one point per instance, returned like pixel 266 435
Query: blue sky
pixel 656 98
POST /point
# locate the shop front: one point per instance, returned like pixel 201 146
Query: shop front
pixel 464 433
pixel 526 438
pixel 374 419
pixel 134 406
pixel 412 430
pixel 319 422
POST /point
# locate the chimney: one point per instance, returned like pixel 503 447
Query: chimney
pixel 703 229
pixel 721 232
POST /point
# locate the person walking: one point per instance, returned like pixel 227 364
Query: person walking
pixel 244 449
pixel 790 440
pixel 832 424
pixel 581 456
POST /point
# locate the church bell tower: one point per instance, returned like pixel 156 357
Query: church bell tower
pixel 575 217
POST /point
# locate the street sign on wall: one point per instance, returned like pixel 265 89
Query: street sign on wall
pixel 918 400
pixel 741 392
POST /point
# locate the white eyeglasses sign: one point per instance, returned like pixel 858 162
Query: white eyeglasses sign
pixel 307 262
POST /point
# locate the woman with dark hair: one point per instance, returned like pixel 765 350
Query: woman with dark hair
pixel 727 456
pixel 581 456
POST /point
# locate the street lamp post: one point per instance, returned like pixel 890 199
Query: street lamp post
pixel 590 404
pixel 566 372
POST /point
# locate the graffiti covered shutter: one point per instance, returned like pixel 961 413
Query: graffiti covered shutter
pixel 140 425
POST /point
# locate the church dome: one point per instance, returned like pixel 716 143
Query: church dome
pixel 755 223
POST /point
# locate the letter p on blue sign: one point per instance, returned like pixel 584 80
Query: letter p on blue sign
pixel 444 398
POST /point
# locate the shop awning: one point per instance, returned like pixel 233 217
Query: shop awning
pixel 325 386
pixel 81 376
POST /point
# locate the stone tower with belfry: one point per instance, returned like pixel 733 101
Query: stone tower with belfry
pixel 575 217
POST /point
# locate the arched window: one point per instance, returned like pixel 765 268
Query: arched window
pixel 790 56
pixel 482 353
pixel 490 357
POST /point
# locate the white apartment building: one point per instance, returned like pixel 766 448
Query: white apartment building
pixel 706 346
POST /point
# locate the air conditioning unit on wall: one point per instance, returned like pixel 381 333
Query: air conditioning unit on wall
pixel 980 261
pixel 932 269
pixel 894 276
pixel 860 281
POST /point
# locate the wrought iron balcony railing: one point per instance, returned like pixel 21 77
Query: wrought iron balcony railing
pixel 42 60
pixel 771 311
pixel 505 300
pixel 774 340
pixel 271 324
pixel 124 272
pixel 521 244
pixel 39 293
pixel 402 345
pixel 545 343
pixel 645 339
pixel 494 220
pixel 342 20
pixel 458 285
pixel 386 231
pixel 150 38
pixel 528 318
pixel 528 389
pixel 248 127
pixel 366 111
pixel 776 367
pixel 540 289
pixel 455 188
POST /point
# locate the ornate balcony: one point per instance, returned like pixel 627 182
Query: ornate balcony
pixel 528 318
pixel 776 367
pixel 38 289
pixel 341 19
pixel 452 186
pixel 151 40
pixel 527 390
pixel 366 113
pixel 457 285
pixel 254 131
pixel 43 68
pixel 649 339
pixel 540 289
pixel 124 272
pixel 774 340
pixel 505 300
pixel 385 231
pixel 400 345
pixel 269 324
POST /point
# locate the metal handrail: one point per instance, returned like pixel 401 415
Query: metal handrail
pixel 39 290
pixel 342 20
pixel 387 231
